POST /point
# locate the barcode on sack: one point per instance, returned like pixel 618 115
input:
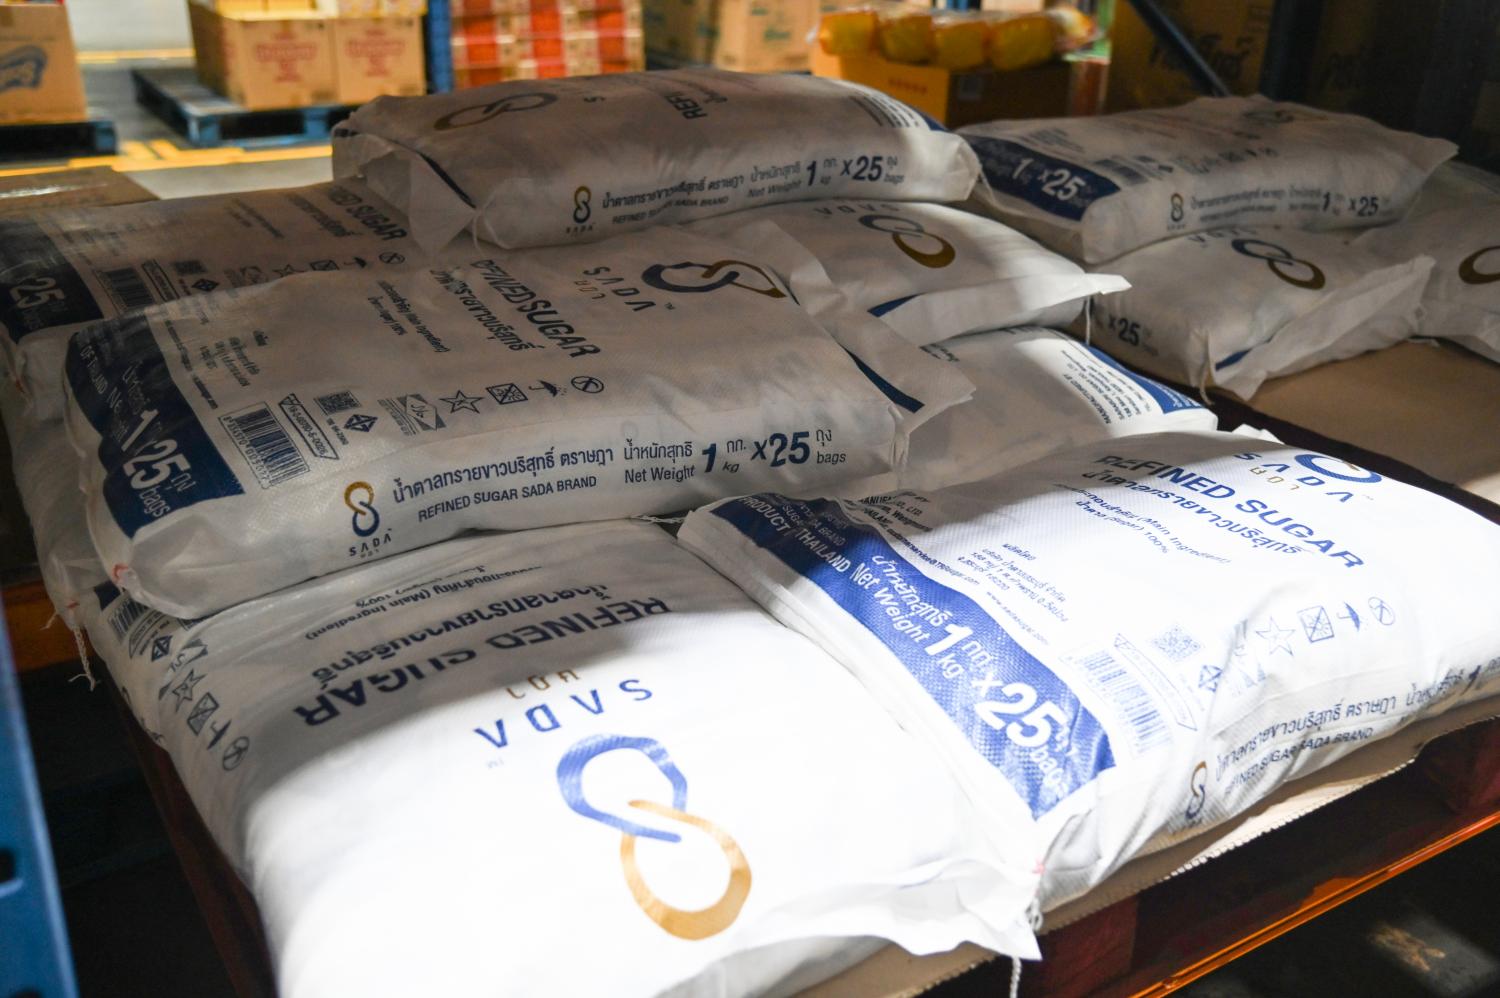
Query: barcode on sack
pixel 122 618
pixel 265 444
pixel 1121 171
pixel 1129 697
pixel 127 288
pixel 336 402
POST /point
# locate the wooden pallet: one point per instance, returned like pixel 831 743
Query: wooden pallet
pixel 207 119
pixel 58 140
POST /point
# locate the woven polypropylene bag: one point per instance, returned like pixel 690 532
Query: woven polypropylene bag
pixel 540 162
pixel 505 751
pixel 1122 645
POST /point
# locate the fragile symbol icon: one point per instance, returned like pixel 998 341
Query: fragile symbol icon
pixel 506 394
pixel 1315 624
pixel 161 647
pixel 205 285
pixel 359 422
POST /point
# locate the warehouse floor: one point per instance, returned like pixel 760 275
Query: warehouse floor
pixel 136 931
pixel 162 161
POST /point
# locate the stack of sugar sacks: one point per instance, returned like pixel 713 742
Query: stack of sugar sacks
pixel 343 427
pixel 1226 215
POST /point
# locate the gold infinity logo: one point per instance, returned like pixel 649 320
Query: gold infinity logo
pixel 909 235
pixel 680 922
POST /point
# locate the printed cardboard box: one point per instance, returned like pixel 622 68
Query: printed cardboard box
pixel 377 56
pixel 956 99
pixel 39 77
pixel 1230 34
pixel 756 36
pixel 265 61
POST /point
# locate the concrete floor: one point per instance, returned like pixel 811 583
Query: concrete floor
pixel 112 96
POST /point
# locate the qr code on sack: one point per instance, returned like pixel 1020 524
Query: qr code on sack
pixel 1176 644
pixel 337 402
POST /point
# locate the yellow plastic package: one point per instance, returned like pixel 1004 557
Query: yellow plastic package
pixel 907 39
pixel 848 32
pixel 960 45
pixel 1019 42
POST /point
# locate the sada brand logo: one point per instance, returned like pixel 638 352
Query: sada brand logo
pixel 1469 271
pixel 684 924
pixel 477 113
pixel 688 277
pixel 360 498
pixel 1298 273
pixel 927 248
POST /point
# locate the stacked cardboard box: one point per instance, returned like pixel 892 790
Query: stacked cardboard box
pixel 295 53
pixel 39 77
pixel 496 40
pixel 754 36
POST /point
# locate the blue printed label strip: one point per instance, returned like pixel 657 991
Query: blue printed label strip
pixel 39 289
pixel 1053 185
pixel 157 457
pixel 1013 710
pixel 1169 399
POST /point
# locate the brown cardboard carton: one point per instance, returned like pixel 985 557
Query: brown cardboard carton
pixel 672 30
pixel 350 8
pixel 1231 35
pixel 1345 55
pixel 265 61
pixel 94 185
pixel 39 77
pixel 377 56
pixel 952 98
pixel 763 36
pixel 233 6
pixel 757 36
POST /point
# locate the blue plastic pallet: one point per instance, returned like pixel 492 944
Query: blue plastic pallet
pixel 207 119
pixel 58 140
pixel 34 955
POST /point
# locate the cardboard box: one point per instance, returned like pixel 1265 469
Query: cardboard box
pixel 1231 35
pixel 233 6
pixel 756 36
pixel 350 8
pixel 957 99
pixel 363 8
pixel 1344 59
pixel 94 185
pixel 265 61
pixel 545 39
pixel 39 77
pixel 378 56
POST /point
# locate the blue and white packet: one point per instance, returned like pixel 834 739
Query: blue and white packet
pixel 568 761
pixel 1456 222
pixel 1094 188
pixel 64 269
pixel 544 162
pixel 1036 391
pixel 238 443
pixel 1233 307
pixel 1122 645
pixel 929 271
